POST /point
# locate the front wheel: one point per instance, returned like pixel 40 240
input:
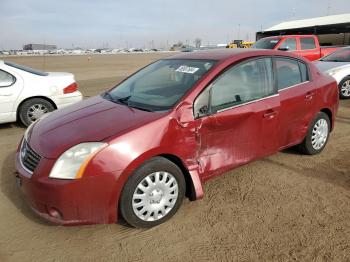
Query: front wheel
pixel 344 88
pixel 153 193
pixel 317 135
pixel 32 109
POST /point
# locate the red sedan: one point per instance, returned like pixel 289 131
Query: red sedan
pixel 139 148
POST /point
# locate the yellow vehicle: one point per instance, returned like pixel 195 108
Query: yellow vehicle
pixel 240 44
pixel 247 44
pixel 232 45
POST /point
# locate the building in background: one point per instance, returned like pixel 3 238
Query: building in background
pixel 330 30
pixel 39 47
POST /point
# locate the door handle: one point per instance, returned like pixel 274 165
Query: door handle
pixel 269 114
pixel 6 94
pixel 309 96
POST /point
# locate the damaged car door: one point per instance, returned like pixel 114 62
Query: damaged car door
pixel 237 116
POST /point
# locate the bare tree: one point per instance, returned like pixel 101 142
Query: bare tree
pixel 198 42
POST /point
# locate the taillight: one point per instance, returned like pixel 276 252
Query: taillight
pixel 70 89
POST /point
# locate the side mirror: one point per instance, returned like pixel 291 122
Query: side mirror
pixel 283 48
pixel 203 110
pixel 201 105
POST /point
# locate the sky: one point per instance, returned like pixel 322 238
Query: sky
pixel 147 24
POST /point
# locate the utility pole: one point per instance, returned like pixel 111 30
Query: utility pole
pixel 238 32
pixel 328 7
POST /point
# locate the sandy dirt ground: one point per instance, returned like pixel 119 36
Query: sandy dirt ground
pixel 287 207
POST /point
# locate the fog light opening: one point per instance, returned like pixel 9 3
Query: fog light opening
pixel 53 212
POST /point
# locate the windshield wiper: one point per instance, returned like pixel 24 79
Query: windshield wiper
pixel 107 94
pixel 141 108
pixel 124 100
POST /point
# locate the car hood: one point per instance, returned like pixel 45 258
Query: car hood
pixel 91 120
pixel 326 66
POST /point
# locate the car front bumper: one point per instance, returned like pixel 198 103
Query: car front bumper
pixel 88 200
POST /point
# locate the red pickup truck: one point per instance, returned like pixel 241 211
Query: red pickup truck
pixel 303 45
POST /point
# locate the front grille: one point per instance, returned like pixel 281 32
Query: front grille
pixel 29 158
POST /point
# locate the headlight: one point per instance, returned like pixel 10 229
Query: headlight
pixel 72 163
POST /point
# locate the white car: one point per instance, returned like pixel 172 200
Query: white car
pixel 337 64
pixel 26 94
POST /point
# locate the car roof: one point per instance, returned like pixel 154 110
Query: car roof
pixel 286 36
pixel 225 54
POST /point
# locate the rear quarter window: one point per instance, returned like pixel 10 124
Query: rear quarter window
pixel 304 72
pixel 6 79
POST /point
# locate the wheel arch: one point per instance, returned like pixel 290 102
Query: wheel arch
pixel 33 97
pixel 194 188
pixel 329 113
pixel 193 182
pixel 190 186
pixel 342 79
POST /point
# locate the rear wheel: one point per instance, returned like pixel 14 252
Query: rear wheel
pixel 153 193
pixel 344 88
pixel 32 109
pixel 317 135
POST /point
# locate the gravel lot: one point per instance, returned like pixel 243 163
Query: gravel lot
pixel 283 208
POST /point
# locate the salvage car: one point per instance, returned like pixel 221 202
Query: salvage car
pixel 337 65
pixel 136 150
pixel 26 94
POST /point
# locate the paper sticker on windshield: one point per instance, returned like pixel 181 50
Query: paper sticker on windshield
pixel 187 69
pixel 274 41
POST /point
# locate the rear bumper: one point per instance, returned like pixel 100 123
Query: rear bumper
pixel 89 200
pixel 62 101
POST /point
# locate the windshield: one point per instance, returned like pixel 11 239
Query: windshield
pixel 27 69
pixel 160 85
pixel 266 43
pixel 342 55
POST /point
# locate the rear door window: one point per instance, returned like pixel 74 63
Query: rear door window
pixel 288 73
pixel 307 43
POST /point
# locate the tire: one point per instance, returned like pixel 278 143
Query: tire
pixel 145 212
pixel 314 143
pixel 344 88
pixel 27 113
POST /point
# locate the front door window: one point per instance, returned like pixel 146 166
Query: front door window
pixel 243 83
